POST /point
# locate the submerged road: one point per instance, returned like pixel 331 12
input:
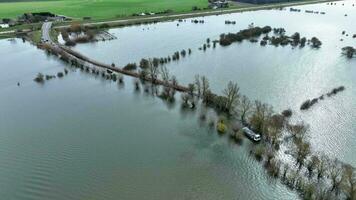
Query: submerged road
pixel 73 56
pixel 46 29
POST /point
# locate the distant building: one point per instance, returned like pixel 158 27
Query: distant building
pixel 215 4
pixel 263 1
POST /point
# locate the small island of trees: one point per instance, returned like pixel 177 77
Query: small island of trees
pixel 278 38
pixel 349 51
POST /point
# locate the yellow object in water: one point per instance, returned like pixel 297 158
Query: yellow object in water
pixel 221 127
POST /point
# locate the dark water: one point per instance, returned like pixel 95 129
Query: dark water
pixel 82 137
pixel 282 76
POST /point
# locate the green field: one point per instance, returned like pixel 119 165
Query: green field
pixel 97 9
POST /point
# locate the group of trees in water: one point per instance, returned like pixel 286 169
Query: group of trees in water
pixel 313 175
pixel 349 51
pixel 196 21
pixel 145 63
pixel 41 78
pixel 309 103
pixel 278 38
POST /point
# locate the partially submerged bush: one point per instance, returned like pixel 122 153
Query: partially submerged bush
pixel 287 113
pixel 349 51
pixel 130 66
pixel 239 136
pixel 144 63
pixel 315 42
pixel 259 151
pixel 39 78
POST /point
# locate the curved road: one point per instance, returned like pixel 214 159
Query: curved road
pixel 46 29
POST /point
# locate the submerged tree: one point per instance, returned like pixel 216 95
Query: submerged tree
pixel 164 73
pixel 315 42
pixel 302 151
pixel 350 182
pixel 198 85
pixel 260 116
pixel 312 164
pixel 39 78
pixel 191 89
pixel 322 166
pixel 144 63
pixel 244 108
pixel 232 95
pixel 153 71
pixel 335 176
pixel 204 86
pixel 349 51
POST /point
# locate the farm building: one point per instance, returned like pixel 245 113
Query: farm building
pixel 263 1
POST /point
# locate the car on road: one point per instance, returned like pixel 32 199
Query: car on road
pixel 252 135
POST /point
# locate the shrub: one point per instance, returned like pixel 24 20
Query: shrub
pixel 259 151
pixel 239 136
pixel 349 51
pixel 49 77
pixel 60 74
pixel 39 78
pixel 144 63
pixel 70 43
pixel 287 113
pixel 183 53
pixel 130 66
pixel 263 43
pixel 316 43
pixel 105 25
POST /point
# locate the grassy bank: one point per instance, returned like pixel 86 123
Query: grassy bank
pixel 234 7
pixel 104 9
pixel 106 18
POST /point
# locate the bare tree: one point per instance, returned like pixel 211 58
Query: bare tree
pixel 164 74
pixel 260 116
pixel 205 86
pixel 298 130
pixel 191 88
pixel 285 171
pixel 232 95
pixel 274 135
pixel 312 164
pixel 244 108
pixel 335 176
pixel 198 85
pixel 185 99
pixel 302 151
pixel 350 182
pixel 322 166
pixel 153 71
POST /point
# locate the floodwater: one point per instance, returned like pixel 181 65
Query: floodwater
pixel 82 137
pixel 282 76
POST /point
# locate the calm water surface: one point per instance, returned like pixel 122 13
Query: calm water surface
pixel 81 137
